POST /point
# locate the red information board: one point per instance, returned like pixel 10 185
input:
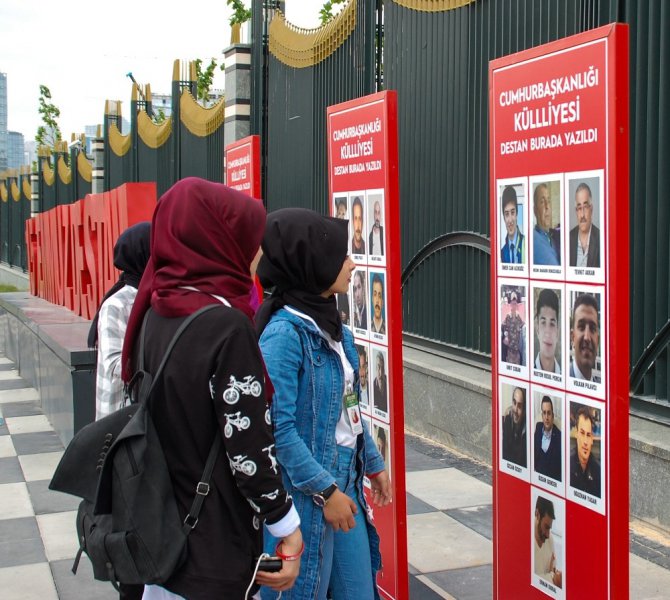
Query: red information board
pixel 243 165
pixel 363 184
pixel 559 263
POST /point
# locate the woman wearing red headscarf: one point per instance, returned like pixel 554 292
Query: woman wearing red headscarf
pixel 205 240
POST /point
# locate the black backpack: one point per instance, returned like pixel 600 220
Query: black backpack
pixel 128 523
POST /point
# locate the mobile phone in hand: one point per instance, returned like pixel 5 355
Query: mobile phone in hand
pixel 270 564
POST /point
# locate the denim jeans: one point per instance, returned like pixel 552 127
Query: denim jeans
pixel 346 555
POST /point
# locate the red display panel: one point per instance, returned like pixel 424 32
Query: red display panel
pixel 363 185
pixel 560 284
pixel 243 165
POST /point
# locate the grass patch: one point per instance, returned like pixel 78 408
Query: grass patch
pixel 8 288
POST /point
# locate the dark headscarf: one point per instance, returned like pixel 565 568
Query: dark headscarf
pixel 204 235
pixel 303 253
pixel 131 254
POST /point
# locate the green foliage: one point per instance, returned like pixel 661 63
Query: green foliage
pixel 240 13
pixel 204 78
pixel 48 133
pixel 159 116
pixel 8 288
pixel 326 12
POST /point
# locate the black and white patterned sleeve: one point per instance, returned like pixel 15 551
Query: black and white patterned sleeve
pixel 238 392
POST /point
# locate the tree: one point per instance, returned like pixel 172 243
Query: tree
pixel 204 79
pixel 49 133
pixel 240 13
pixel 326 12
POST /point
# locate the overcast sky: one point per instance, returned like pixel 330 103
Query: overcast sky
pixel 81 50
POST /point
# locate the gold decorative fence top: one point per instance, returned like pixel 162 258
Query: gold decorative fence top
pixel 297 47
pixel 198 120
pixel 27 190
pixel 119 143
pixel 16 192
pixel 151 134
pixel 48 173
pixel 432 5
pixel 64 172
pixel 4 194
pixel 84 168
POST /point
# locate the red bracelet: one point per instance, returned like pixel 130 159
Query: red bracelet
pixel 289 557
pixel 373 475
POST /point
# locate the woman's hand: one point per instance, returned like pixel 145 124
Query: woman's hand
pixel 339 511
pixel 283 580
pixel 381 489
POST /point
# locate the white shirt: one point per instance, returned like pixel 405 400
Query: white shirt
pixel 112 323
pixel 344 435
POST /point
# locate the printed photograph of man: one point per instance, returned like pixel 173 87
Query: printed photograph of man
pixel 546 237
pixel 547 455
pixel 514 429
pixel 585 236
pixel 378 323
pixel 341 207
pixel 513 249
pixel 513 329
pixel 360 299
pixel 357 241
pixel 363 375
pixel 548 330
pixel 544 555
pixel 342 301
pixel 380 436
pixel 376 237
pixel 585 338
pixel 379 385
pixel 584 465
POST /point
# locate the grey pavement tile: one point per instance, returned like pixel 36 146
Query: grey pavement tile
pixel 650 550
pixel 3 427
pixel 13 384
pixel 420 591
pixel 10 470
pixel 28 582
pixel 448 458
pixel 8 366
pixel 20 542
pixel 417 461
pixel 81 585
pixel 37 442
pixel 417 507
pixel 47 501
pixel 477 518
pixel 473 583
pixel 20 409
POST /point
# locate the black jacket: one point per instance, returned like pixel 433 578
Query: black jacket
pixel 188 406
pixel 548 463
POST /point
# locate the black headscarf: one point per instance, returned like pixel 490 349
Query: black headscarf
pixel 303 253
pixel 131 254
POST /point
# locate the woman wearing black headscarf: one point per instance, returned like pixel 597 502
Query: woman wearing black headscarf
pixel 131 254
pixel 322 447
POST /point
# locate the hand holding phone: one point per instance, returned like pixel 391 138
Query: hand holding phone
pixel 270 564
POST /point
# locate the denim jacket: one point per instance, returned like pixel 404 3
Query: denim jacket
pixel 308 380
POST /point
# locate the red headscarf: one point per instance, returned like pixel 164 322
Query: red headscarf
pixel 203 235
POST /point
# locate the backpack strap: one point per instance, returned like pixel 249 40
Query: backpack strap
pixel 202 489
pixel 146 387
pixel 142 380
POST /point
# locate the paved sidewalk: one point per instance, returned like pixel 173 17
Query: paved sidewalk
pixel 448 506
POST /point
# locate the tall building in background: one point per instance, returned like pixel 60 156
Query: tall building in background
pixel 15 150
pixel 4 141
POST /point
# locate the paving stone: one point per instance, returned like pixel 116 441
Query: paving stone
pixel 37 442
pixel 47 501
pixel 477 518
pixel 81 585
pixel 474 583
pixel 20 409
pixel 20 542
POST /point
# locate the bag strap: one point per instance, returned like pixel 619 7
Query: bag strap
pixel 202 489
pixel 172 343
